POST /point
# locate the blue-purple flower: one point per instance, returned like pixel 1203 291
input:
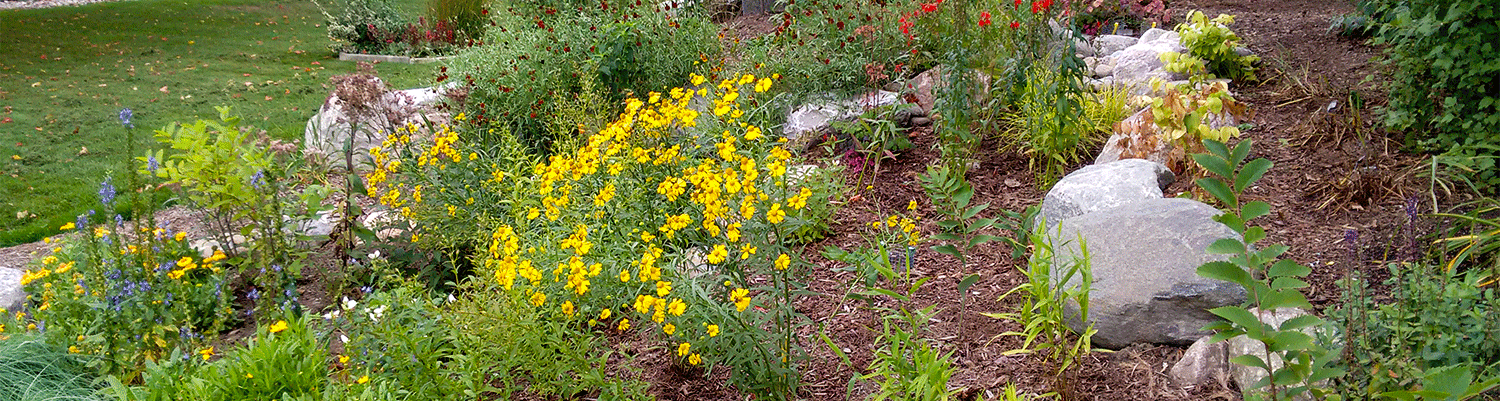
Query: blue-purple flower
pixel 125 115
pixel 105 192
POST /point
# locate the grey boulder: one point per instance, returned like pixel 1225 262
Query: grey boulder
pixel 12 296
pixel 1103 186
pixel 1144 260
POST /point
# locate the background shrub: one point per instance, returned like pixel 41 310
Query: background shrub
pixel 541 53
pixel 1444 81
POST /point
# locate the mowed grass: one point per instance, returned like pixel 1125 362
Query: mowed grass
pixel 66 72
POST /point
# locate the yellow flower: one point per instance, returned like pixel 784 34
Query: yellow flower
pixel 783 261
pixel 217 256
pixel 532 213
pixel 362 379
pixel 343 359
pixel 663 288
pixel 624 276
pixel 537 298
pixel 713 330
pixel 209 352
pixel 763 85
pixel 746 250
pixel 683 349
pixel 669 329
pixel 604 314
pixel 68 226
pixel 912 205
pixel 697 79
pixel 185 261
pixel 741 298
pixel 752 133
pixel 624 324
pixel 676 307
pixel 567 308
pixel 718 254
pixel 74 349
pixel 775 215
pixel 179 236
pixel 278 327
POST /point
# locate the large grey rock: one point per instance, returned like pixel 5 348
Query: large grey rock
pixel 1103 186
pixel 1200 364
pixel 327 132
pixel 12 296
pixel 1110 44
pixel 1144 258
pixel 1246 376
pixel 1136 65
pixel 807 121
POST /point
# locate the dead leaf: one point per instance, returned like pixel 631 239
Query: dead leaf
pixel 83 151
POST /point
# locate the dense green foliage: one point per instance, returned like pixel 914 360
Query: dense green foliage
pixel 1444 80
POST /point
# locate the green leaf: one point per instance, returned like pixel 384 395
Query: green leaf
pixel 1219 190
pixel 1214 164
pixel 1240 152
pixel 1289 268
pixel 1217 148
pixel 1251 173
pixel 1255 209
pixel 1226 246
pixel 1284 283
pixel 1221 270
pixel 1300 322
pixel 1249 360
pixel 949 250
pixel 1278 299
pixel 968 281
pixel 974 211
pixel 1254 234
pixel 1241 318
pixel 1289 340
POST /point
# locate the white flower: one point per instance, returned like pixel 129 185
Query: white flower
pixel 377 313
pixel 349 303
pixel 343 339
pixel 333 314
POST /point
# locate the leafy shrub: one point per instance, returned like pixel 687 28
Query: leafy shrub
pixel 356 26
pixel 1443 86
pixel 239 182
pixel 542 52
pixel 1185 113
pixel 572 236
pixel 1210 42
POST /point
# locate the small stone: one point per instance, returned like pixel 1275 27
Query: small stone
pixel 1200 364
pixel 12 294
pixel 921 121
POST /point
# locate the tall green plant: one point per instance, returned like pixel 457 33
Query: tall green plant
pixel 1044 298
pixel 1293 361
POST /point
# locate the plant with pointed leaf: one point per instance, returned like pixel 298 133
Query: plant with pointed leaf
pixel 1269 283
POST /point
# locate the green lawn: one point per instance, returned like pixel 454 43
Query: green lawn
pixel 66 72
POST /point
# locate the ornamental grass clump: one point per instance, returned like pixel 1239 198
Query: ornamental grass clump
pixel 662 221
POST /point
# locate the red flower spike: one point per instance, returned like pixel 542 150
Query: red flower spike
pixel 984 18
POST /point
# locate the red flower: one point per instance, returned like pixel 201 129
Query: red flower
pixel 929 7
pixel 984 18
pixel 1018 3
pixel 1015 24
